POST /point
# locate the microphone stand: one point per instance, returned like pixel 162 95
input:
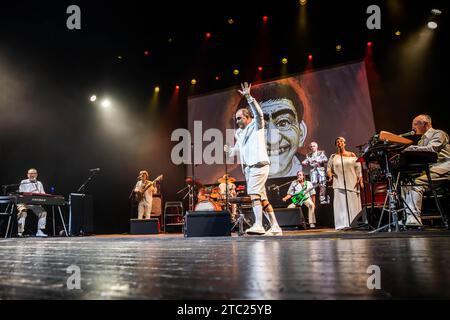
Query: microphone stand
pixel 83 186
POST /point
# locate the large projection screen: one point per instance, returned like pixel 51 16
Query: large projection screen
pixel 315 106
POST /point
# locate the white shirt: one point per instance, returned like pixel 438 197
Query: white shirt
pixel 28 186
pixel 297 187
pixel 148 195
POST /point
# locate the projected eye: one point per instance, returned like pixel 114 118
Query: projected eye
pixel 283 124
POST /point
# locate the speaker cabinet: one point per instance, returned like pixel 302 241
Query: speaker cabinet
pixel 207 224
pixel 81 216
pixel 144 226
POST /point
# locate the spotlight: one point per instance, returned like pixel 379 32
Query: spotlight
pixel 265 18
pixel 177 87
pixel 93 98
pixel 436 12
pixel 208 35
pixel 146 53
pixel 217 78
pixel 235 72
pixel 193 81
pixel 230 21
pixel 432 25
pixel 310 57
pixel 369 44
pixel 284 60
pixel 106 103
pixel 338 48
pixel 119 57
pixel 398 33
pixel 260 69
pixel 156 89
pixel 302 2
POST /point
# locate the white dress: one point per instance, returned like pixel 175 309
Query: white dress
pixel 352 171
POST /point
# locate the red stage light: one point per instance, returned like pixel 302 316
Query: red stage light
pixel 146 53
pixel 310 57
pixel 177 87
pixel 208 35
pixel 265 18
pixel 217 78
pixel 369 44
pixel 260 68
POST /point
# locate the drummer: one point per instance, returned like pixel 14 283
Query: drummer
pixel 231 191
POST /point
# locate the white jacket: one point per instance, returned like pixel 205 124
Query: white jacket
pixel 251 141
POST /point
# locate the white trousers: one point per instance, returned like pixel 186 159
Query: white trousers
pixel 39 211
pixel 311 210
pixel 145 209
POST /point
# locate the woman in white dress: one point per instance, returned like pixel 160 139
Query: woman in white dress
pixel 345 172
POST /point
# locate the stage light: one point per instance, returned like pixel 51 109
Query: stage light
pixel 310 57
pixel 146 53
pixel 398 33
pixel 265 18
pixel 208 35
pixel 177 87
pixel 193 81
pixel 338 48
pixel 369 44
pixel 170 40
pixel 260 69
pixel 217 78
pixel 436 12
pixel 156 89
pixel 432 25
pixel 302 2
pixel 119 57
pixel 235 72
pixel 93 98
pixel 284 60
pixel 230 21
pixel 106 103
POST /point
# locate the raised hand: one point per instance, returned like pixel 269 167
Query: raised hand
pixel 245 89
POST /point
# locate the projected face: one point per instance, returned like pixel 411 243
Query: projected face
pixel 284 134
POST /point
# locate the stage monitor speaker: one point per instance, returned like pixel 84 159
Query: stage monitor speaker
pixel 144 226
pixel 81 215
pixel 207 224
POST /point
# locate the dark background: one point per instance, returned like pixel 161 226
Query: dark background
pixel 48 73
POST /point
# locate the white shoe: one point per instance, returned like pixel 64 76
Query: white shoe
pixel 312 225
pixel 274 231
pixel 41 234
pixel 20 234
pixel 255 229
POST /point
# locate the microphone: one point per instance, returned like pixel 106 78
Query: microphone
pixel 407 134
pixel 95 170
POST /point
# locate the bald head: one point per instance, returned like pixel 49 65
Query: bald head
pixel 421 123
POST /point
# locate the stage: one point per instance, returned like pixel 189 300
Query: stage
pixel 313 264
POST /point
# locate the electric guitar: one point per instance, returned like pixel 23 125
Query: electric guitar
pixel 139 195
pixel 300 197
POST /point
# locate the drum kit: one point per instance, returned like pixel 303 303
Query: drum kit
pixel 214 198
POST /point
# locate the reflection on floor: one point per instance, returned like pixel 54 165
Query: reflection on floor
pixel 315 264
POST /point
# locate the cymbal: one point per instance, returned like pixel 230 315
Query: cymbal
pixel 230 180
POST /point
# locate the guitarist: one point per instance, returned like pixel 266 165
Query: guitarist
pixel 143 192
pixel 310 196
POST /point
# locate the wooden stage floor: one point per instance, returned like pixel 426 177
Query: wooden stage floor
pixel 319 264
